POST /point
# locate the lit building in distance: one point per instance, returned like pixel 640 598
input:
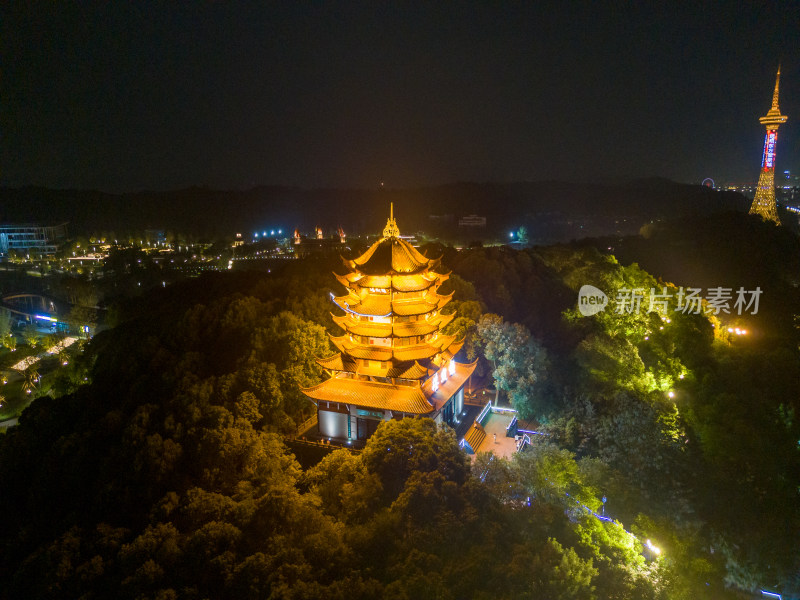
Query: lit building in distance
pixel 156 237
pixel 764 201
pixel 393 360
pixel 319 244
pixel 472 221
pixel 31 239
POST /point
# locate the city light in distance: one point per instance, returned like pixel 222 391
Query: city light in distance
pixel 267 233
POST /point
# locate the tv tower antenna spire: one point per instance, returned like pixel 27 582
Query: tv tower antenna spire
pixel 764 202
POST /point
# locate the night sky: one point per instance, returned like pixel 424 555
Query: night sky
pixel 131 96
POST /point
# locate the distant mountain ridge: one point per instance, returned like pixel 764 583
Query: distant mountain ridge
pixel 210 212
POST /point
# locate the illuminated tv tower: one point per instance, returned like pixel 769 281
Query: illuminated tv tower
pixel 764 202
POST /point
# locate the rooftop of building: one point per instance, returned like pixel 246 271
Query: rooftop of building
pixel 408 399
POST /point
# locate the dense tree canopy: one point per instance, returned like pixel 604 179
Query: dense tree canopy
pixel 679 423
pixel 162 470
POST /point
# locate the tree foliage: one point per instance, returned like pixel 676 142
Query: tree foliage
pixel 520 364
pixel 164 474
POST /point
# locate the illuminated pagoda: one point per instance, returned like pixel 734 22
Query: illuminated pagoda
pixel 393 360
pixel 764 202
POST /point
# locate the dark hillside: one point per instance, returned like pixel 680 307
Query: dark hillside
pixel 548 209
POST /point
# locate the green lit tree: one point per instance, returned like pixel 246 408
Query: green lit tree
pixel 82 316
pixel 519 364
pixel 5 323
pixel 31 335
pixel 10 342
pixel 465 325
pixel 63 356
pixel 50 341
pixel 30 379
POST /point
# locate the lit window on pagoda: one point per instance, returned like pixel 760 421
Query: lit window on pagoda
pixel 435 382
pixel 444 375
pixel 452 367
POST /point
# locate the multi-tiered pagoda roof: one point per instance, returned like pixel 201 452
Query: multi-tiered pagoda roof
pixel 393 354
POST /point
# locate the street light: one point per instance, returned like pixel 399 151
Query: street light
pixel 654 549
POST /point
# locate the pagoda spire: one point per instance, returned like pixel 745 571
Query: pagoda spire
pixel 391 230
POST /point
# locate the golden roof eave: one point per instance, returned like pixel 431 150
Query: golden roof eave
pixel 415 371
pixel 420 306
pixel 337 362
pixel 416 283
pixel 344 345
pixel 392 330
pixel 409 353
pixel 371 394
pixel 394 256
pixel 373 305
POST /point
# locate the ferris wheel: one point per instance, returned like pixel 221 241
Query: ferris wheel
pixel 709 183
